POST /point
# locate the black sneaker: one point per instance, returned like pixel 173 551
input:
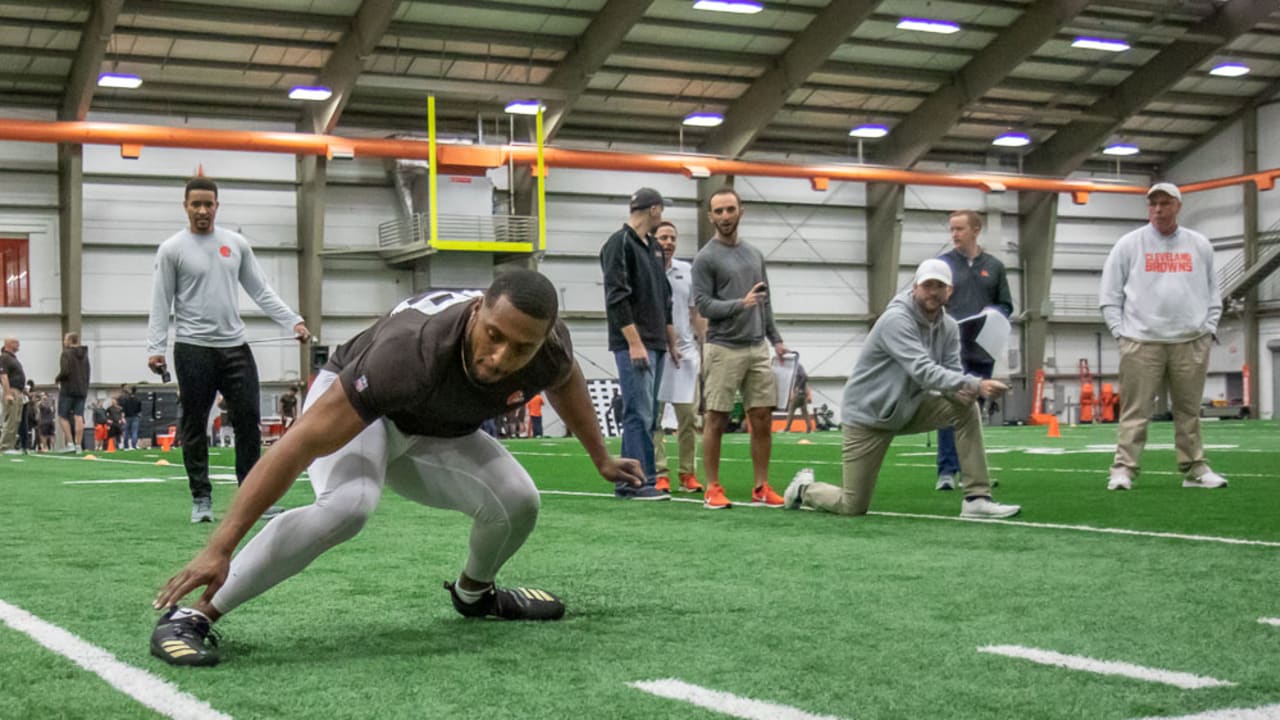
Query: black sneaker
pixel 184 641
pixel 510 604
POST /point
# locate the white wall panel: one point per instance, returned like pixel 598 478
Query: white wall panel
pixel 1266 374
pixel 363 292
pixel 127 214
pixel 352 215
pixel 27 188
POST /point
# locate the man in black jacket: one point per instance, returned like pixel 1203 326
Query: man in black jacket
pixel 73 388
pixel 979 282
pixel 638 307
pixel 132 406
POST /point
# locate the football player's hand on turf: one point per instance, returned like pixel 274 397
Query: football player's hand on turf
pixel 627 470
pixel 207 569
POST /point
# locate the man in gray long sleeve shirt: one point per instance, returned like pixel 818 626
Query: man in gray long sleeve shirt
pixel 1160 299
pixel 908 379
pixel 730 290
pixel 198 273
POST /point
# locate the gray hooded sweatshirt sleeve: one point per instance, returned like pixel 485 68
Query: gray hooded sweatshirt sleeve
pixel 906 355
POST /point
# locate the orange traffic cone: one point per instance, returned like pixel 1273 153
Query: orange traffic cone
pixel 1053 427
pixel 111 445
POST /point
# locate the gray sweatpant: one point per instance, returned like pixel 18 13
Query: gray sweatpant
pixel 472 474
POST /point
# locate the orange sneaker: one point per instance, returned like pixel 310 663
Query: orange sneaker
pixel 663 484
pixel 764 495
pixel 715 498
pixel 689 483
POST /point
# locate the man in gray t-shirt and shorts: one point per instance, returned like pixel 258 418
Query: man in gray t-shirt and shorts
pixel 730 290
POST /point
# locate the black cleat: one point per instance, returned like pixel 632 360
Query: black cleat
pixel 185 641
pixel 510 604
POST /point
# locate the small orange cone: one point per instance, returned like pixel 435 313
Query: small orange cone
pixel 1053 428
pixel 111 445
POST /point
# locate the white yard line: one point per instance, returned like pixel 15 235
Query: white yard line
pixel 149 690
pixel 1099 472
pixel 1087 528
pixel 177 461
pixel 723 702
pixel 1266 712
pixel 1186 681
pixel 1270 621
pixel 1018 523
pixel 122 481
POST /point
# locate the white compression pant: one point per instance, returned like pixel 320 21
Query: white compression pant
pixel 473 474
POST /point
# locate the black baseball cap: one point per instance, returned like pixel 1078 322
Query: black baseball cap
pixel 647 198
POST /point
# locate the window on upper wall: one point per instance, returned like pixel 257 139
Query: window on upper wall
pixel 16 290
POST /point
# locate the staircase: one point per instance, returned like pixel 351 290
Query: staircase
pixel 1235 280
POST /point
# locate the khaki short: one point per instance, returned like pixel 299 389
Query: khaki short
pixel 725 370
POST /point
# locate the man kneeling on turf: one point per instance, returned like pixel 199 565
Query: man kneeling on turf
pixel 401 404
pixel 908 380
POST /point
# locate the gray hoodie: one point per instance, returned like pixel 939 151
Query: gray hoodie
pixel 906 356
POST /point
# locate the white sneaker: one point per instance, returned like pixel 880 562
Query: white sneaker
pixel 1120 480
pixel 985 507
pixel 793 496
pixel 1208 480
pixel 946 482
pixel 202 510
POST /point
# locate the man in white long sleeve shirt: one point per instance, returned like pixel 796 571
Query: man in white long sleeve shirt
pixel 1160 299
pixel 198 273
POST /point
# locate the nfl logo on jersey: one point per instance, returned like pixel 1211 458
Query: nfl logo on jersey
pixel 361 383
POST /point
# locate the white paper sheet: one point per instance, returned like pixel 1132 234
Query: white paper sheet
pixel 679 384
pixel 993 336
pixel 784 373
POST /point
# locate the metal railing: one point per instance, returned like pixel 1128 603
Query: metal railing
pixel 402 232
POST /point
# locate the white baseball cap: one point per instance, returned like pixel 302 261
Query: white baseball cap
pixel 933 269
pixel 1168 189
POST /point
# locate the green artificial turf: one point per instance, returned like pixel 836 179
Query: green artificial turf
pixel 873 617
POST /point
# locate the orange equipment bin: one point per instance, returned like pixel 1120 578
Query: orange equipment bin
pixel 1109 403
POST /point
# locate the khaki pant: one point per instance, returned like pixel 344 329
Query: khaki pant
pixel 1147 368
pixel 12 418
pixel 686 439
pixel 864 450
pixel 726 370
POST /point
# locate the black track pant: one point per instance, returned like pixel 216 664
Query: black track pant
pixel 203 372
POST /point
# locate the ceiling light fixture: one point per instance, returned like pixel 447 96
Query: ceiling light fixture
pixel 1012 140
pixel 740 7
pixel 869 131
pixel 703 119
pixel 313 93
pixel 1121 149
pixel 118 80
pixel 1104 44
pixel 523 107
pixel 1230 69
pixel 941 27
